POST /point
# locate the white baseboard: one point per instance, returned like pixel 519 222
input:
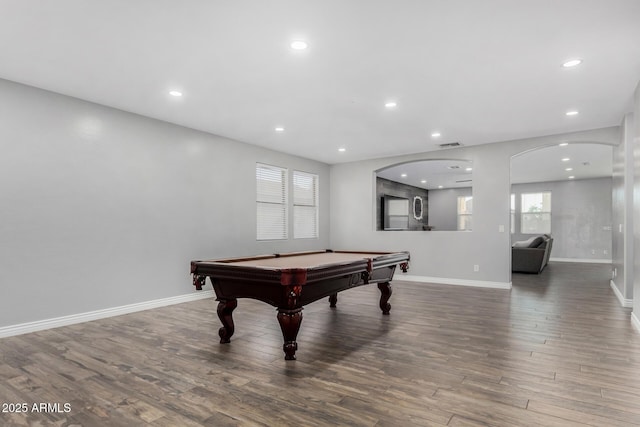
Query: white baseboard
pixel 635 321
pixel 39 325
pixel 583 260
pixel 627 303
pixel 457 282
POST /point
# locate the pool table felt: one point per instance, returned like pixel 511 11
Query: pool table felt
pixel 313 260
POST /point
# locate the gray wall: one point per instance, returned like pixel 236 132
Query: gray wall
pixel 103 208
pixel 580 217
pixel 636 204
pixel 443 209
pixel 444 254
pixel 622 197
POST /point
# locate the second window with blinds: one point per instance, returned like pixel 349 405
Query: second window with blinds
pixel 305 205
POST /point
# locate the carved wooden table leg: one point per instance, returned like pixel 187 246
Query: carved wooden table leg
pixel 225 308
pixel 385 294
pixel 333 299
pixel 199 281
pixel 290 325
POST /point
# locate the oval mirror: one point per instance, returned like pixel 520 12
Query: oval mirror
pixel 417 208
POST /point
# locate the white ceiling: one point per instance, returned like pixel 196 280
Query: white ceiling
pixel 476 71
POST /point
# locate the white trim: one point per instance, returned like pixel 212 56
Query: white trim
pixel 635 322
pixel 627 303
pixel 584 260
pixel 457 282
pixel 39 325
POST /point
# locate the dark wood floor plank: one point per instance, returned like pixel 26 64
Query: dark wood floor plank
pixel 494 413
pixel 556 350
pixel 581 417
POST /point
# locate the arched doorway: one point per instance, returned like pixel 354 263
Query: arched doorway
pixel 563 191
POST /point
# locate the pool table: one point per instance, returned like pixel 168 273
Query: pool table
pixel 291 280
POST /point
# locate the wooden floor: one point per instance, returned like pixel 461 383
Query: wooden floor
pixel 556 350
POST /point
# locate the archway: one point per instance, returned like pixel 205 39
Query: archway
pixel 562 191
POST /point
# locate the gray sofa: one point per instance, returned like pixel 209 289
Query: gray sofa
pixel 531 255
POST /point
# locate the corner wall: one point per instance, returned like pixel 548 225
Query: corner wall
pixel 622 253
pixel 636 209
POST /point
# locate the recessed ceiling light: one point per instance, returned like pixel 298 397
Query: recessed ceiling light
pixel 342 149
pixel 175 93
pixel 572 113
pixel 572 177
pixel 563 144
pixel 424 181
pixel 279 129
pixel 404 175
pixel 391 104
pixel 440 186
pixel 566 159
pixel 569 169
pixel 299 45
pixel 469 169
pixel 435 134
pixel 572 63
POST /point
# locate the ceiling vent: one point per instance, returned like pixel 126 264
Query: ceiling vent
pixel 450 145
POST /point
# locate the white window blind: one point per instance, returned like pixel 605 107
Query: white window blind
pixel 305 205
pixel 271 202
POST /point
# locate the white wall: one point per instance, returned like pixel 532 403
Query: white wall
pixel 102 208
pixel 636 207
pixel 444 254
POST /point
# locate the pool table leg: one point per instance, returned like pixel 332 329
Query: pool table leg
pixel 225 308
pixel 290 325
pixel 333 299
pixel 385 294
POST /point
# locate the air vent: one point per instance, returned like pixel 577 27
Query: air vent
pixel 464 180
pixel 450 145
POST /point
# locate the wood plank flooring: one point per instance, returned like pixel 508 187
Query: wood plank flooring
pixel 556 350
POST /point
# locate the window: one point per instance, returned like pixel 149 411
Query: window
pixel 513 213
pixel 271 202
pixel 305 205
pixel 535 213
pixel 465 209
